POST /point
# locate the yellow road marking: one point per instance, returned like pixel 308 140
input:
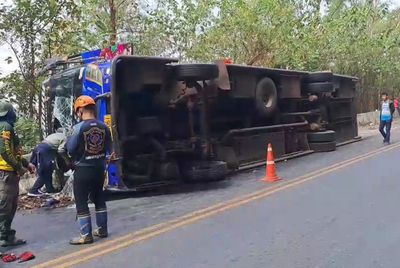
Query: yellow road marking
pixel 91 252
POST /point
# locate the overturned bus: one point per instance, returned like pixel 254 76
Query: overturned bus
pixel 196 122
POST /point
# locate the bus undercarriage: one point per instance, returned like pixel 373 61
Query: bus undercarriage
pixel 196 122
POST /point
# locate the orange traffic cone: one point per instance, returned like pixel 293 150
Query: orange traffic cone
pixel 270 172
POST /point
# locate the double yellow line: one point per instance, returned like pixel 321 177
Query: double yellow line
pixel 109 246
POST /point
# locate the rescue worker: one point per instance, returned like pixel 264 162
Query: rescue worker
pixel 87 147
pixel 12 166
pixel 44 158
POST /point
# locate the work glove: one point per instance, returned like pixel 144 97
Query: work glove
pixel 9 257
pixel 26 256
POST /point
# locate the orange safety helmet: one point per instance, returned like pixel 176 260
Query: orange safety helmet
pixel 83 101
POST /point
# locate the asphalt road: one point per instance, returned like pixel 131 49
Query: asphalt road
pixel 322 214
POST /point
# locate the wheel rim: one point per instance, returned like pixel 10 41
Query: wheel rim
pixel 268 101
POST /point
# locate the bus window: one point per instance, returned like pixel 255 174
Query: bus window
pixel 93 74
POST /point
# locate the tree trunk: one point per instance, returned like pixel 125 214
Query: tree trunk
pixel 31 71
pixel 40 114
pixel 113 22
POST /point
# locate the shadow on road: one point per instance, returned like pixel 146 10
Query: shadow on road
pixel 178 188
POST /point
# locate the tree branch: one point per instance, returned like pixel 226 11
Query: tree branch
pixel 18 59
pixel 121 3
pixel 52 18
pixel 255 58
pixel 24 75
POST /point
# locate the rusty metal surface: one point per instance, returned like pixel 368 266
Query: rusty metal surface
pixel 223 78
pixel 289 86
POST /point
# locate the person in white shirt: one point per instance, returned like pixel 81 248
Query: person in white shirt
pixel 386 117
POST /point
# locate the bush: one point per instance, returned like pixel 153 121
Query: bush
pixel 28 132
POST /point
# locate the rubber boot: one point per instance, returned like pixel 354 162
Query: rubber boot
pixel 101 220
pixel 85 237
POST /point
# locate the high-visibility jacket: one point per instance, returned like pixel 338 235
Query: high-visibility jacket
pixel 10 154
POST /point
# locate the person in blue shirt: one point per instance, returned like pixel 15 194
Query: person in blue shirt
pixel 87 147
pixel 386 117
pixel 44 157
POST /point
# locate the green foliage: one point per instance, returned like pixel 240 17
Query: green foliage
pixel 33 30
pixel 28 132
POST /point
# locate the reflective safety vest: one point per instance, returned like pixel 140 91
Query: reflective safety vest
pixel 8 143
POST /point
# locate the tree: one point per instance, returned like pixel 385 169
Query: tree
pixel 106 22
pixel 27 27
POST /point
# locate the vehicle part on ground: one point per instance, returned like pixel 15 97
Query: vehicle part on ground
pixel 318 77
pixel 266 97
pixel 204 171
pixel 319 87
pixel 320 147
pixel 324 136
pixel 195 72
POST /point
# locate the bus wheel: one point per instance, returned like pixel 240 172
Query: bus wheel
pixel 266 97
pixel 203 171
pixel 196 72
pixel 320 147
pixel 319 87
pixel 318 77
pixel 323 136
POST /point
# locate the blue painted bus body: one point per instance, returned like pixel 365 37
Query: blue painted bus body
pixel 96 80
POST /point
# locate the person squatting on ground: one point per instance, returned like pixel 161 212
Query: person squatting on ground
pixel 87 147
pixel 44 158
pixel 386 117
pixel 12 166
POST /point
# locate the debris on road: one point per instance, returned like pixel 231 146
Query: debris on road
pixel 62 199
pixel 28 203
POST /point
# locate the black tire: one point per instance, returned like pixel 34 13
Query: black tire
pixel 320 147
pixel 196 72
pixel 318 77
pixel 266 97
pixel 136 166
pixel 319 87
pixel 324 136
pixel 201 171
